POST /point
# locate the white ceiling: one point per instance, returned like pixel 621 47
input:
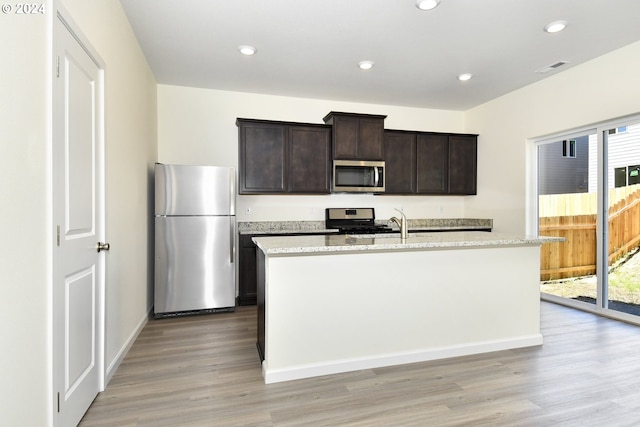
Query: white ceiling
pixel 311 48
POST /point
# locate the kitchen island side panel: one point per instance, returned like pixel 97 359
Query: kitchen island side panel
pixel 329 313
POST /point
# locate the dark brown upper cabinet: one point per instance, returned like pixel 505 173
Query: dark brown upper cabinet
pixel 262 156
pixel 282 157
pixel 400 162
pixel 356 136
pixel 463 164
pixel 309 159
pixel 296 158
pixel 432 156
pixel 430 163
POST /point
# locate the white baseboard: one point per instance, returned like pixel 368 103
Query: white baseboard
pixel 115 363
pixel 378 361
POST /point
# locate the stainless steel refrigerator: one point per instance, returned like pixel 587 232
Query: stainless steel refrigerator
pixel 194 239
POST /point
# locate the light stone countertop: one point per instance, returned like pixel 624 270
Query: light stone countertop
pixel 282 227
pixel 318 227
pixel 314 244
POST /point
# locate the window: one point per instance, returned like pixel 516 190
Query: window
pixel 634 174
pixel 628 175
pixel 620 177
pixel 569 148
pixel 621 129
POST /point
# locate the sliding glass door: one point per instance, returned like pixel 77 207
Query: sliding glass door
pixel 589 193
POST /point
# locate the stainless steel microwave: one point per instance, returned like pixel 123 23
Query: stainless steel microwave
pixel 358 176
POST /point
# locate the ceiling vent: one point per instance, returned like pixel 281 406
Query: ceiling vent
pixel 552 67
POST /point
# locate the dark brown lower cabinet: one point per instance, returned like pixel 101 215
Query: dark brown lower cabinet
pixel 247 271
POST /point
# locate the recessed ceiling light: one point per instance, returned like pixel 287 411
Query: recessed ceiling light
pixel 366 65
pixel 555 26
pixel 427 4
pixel 464 77
pixel 247 50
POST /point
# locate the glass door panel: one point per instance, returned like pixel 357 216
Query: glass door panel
pixel 622 289
pixel 567 207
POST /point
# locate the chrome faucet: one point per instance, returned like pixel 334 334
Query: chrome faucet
pixel 402 224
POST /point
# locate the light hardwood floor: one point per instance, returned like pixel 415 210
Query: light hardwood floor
pixel 205 371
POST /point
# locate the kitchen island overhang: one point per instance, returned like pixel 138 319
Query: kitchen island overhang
pixel 331 304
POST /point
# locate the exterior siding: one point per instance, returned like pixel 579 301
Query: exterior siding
pixel 624 150
pixel 564 175
pixel 561 175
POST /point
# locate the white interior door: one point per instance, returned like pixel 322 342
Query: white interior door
pixel 78 266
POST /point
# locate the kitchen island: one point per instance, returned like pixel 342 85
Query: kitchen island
pixel 246 262
pixel 337 303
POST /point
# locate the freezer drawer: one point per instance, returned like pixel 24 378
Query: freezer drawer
pixel 194 267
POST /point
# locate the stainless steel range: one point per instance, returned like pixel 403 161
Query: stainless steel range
pixel 354 221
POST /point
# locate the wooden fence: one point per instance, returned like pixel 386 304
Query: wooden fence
pixel 577 256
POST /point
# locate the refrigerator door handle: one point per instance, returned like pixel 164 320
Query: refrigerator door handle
pixel 232 191
pixel 232 246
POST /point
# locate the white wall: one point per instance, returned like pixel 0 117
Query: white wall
pixel 25 270
pixel 26 397
pixel 197 126
pixel 599 90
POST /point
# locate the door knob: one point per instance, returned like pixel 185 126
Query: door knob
pixel 103 246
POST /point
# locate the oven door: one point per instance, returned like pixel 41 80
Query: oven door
pixel 358 176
